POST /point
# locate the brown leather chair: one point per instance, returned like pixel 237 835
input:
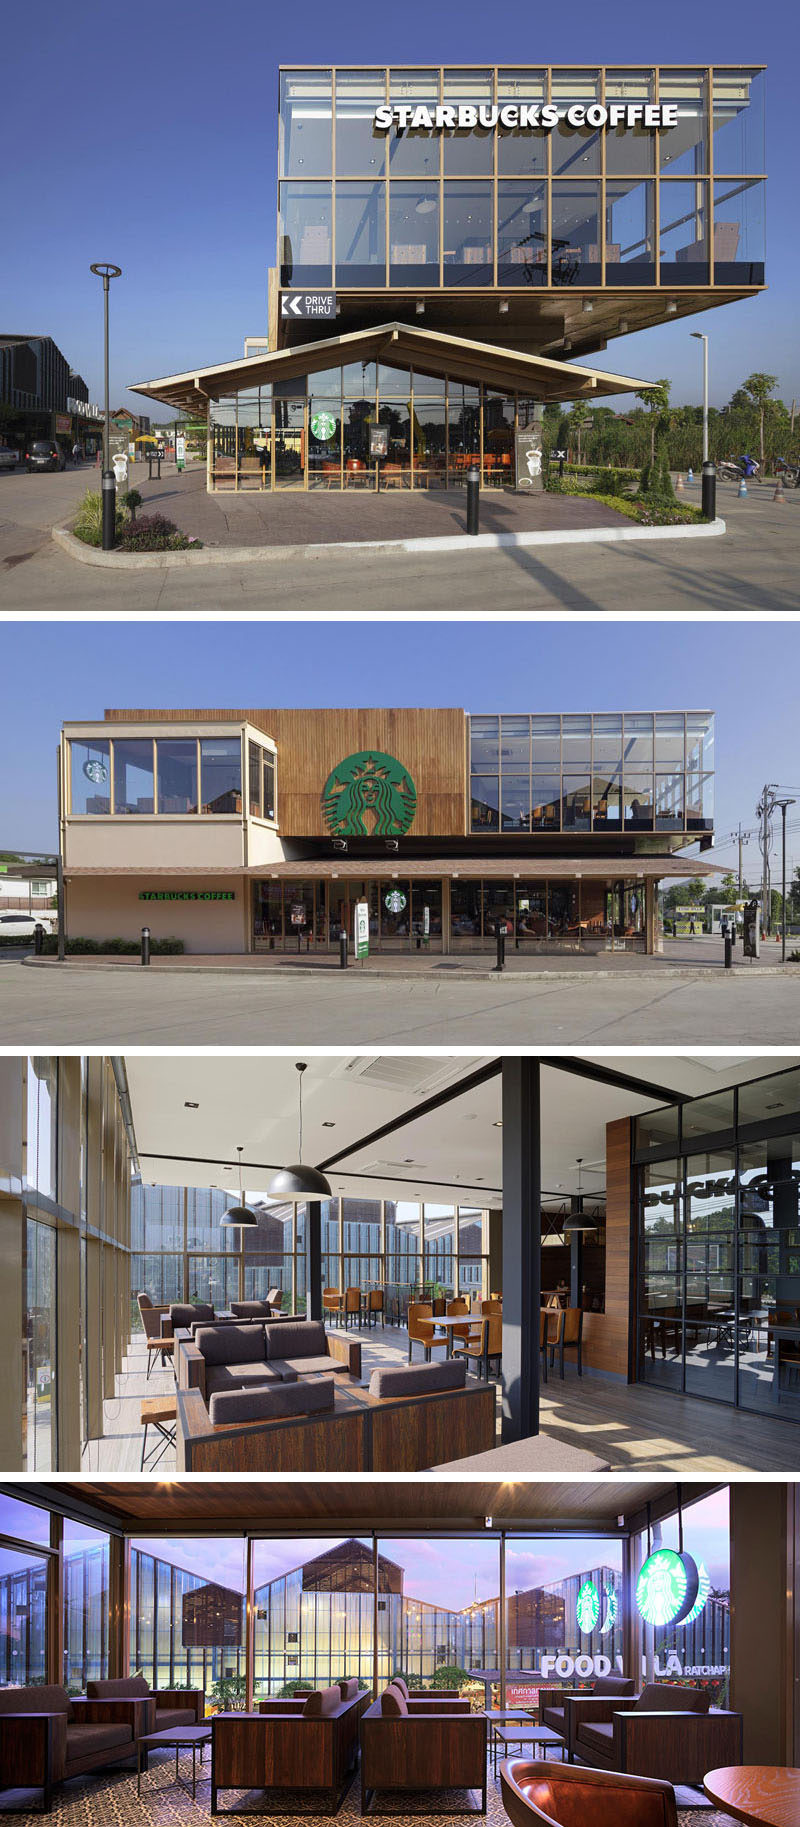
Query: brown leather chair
pixel 331 1301
pixel 544 1794
pixel 669 1732
pixel 352 1304
pixel 46 1736
pixel 553 1710
pixel 420 1327
pixel 375 1305
pixel 311 1749
pixel 484 1343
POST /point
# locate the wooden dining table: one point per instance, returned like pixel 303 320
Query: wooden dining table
pixel 763 1795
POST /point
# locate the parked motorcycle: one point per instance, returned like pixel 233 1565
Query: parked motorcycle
pixel 790 472
pixel 732 469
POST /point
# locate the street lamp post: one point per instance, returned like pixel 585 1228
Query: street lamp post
pixel 783 803
pixel 107 272
pixel 700 337
pixel 708 470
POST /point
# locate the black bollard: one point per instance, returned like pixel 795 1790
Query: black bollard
pixel 38 940
pixel 145 945
pixel 149 466
pixel 109 510
pixel 728 951
pixel 473 499
pixel 708 488
pixel 501 949
pixel 158 467
pixel 343 951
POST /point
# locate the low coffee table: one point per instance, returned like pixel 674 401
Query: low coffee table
pixel 184 1738
pixel 522 1733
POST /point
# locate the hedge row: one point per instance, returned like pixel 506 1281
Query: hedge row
pixel 129 948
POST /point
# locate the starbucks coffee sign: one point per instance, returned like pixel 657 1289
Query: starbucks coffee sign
pixel 528 117
pixel 369 795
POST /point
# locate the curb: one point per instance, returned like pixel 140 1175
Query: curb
pixel 285 973
pixel 452 542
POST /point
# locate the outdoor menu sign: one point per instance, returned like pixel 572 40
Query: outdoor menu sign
pixel 361 930
pixel 528 452
pixel 379 441
pixel 298 915
pixel 751 930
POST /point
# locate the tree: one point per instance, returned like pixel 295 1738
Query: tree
pixel 230 1693
pixel 450 1675
pixel 728 888
pixel 579 417
pixel 656 399
pixel 757 389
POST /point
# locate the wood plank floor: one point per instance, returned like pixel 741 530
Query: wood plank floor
pixel 637 1428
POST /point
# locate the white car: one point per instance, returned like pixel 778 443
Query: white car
pixel 23 925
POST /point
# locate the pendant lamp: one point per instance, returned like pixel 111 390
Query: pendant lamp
pixel 299 1181
pixel 579 1221
pixel 239 1214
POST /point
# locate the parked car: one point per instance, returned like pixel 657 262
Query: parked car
pixel 43 453
pixel 9 458
pixel 22 926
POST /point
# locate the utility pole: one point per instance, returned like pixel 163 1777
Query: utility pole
pixel 783 803
pixel 764 809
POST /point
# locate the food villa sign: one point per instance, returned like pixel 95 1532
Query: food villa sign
pixel 527 117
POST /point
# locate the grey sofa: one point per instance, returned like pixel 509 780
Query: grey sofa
pixel 248 1355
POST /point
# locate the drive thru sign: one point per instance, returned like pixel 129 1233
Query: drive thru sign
pixel 308 304
pixel 361 934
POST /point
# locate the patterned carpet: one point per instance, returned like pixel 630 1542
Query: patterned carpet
pixel 110 1800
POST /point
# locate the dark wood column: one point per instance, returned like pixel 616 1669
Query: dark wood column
pixel 314 1259
pixel 522 1246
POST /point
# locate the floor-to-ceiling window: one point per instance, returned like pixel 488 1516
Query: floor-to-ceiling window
pixel 86 1605
pixel 187 1614
pixel 697 1649
pixel 564 1611
pixel 719 1246
pixel 25 1571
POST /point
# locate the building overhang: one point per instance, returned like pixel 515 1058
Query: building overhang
pixel 643 868
pixel 432 352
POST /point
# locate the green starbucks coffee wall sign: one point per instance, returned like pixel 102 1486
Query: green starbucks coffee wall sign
pixel 369 795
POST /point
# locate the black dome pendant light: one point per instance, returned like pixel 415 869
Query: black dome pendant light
pixel 299 1181
pixel 239 1214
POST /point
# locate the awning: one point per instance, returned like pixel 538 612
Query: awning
pixel 346 868
pixel 404 345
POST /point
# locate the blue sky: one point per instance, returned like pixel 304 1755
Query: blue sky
pixel 747 673
pixel 148 137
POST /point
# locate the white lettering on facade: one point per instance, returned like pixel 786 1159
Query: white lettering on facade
pixel 530 116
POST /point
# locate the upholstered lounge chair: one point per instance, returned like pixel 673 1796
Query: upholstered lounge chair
pixel 668 1732
pixel 553 1701
pixel 315 1749
pixel 409 1749
pixel 166 1707
pixel 544 1794
pixel 47 1737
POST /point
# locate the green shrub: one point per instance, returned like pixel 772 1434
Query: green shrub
pixel 89 524
pixel 128 948
pixel 155 534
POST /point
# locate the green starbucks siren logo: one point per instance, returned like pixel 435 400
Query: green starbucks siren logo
pixel 323 425
pixel 369 795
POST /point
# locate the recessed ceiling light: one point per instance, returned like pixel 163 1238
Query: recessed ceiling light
pixel 497 1124
pixel 188 1105
pixel 329 1125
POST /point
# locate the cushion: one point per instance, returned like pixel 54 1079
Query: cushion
pixel 167 1717
pixel 238 1376
pixel 34 1700
pixel 87 1740
pixel 296 1339
pixel 349 1689
pixel 322 1703
pixel 132 1687
pixel 661 1696
pixel 251 1309
pixel 553 1716
pixel 398 1682
pixel 182 1313
pixel 418 1379
pixel 271 1403
pixel 394 1704
pixel 612 1684
pixel 598 1737
pixel 309 1367
pixel 230 1344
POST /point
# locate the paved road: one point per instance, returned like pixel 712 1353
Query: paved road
pixel 119 1009
pixel 754 566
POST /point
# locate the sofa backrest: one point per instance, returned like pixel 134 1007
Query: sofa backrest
pixel 323 1703
pixel 612 1684
pixel 230 1344
pixel 397 1681
pixel 132 1687
pixel 296 1339
pixel 663 1696
pixel 35 1700
pixel 182 1313
pixel 393 1704
pixel 306 1396
pixel 349 1688
pixel 251 1309
pixel 418 1379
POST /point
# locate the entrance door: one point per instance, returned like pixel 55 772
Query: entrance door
pixel 290 443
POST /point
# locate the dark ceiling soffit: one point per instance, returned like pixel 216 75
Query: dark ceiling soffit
pixel 464 1085
pixel 620 1081
pixel 48 1496
pixel 663 1507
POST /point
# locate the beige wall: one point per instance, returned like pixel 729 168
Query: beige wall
pixel 100 908
pixel 151 843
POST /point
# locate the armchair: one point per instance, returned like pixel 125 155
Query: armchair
pixel 668 1732
pixel 46 1736
pixel 554 1712
pixel 441 1747
pixel 544 1794
pixel 165 1707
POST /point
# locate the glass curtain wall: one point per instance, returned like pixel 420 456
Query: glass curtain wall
pixel 86 1605
pixel 550 915
pixel 360 209
pixel 550 773
pixel 188 1616
pixel 719 1241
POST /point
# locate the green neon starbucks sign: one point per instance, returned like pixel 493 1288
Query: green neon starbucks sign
pixel 666 1589
pixel 369 795
pixel 587 1607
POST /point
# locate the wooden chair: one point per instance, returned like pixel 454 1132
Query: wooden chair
pixel 484 1344
pixel 571 1337
pixel 420 1327
pixel 159 1412
pixel 331 1301
pixel 555 1333
pixel 375 1305
pixel 544 1339
pixel 352 1304
pixel 151 1322
pixel 458 1305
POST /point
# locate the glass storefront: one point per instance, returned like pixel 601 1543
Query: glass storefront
pixel 547 915
pixel 168 776
pixel 719 1230
pixel 415 208
pixel 320 436
pixel 584 772
pixel 303 916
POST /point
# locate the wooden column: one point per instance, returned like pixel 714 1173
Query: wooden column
pixel 608 1338
pixel 761 1631
pixel 522 1246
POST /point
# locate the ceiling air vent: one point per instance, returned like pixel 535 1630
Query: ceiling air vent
pixel 406 1073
